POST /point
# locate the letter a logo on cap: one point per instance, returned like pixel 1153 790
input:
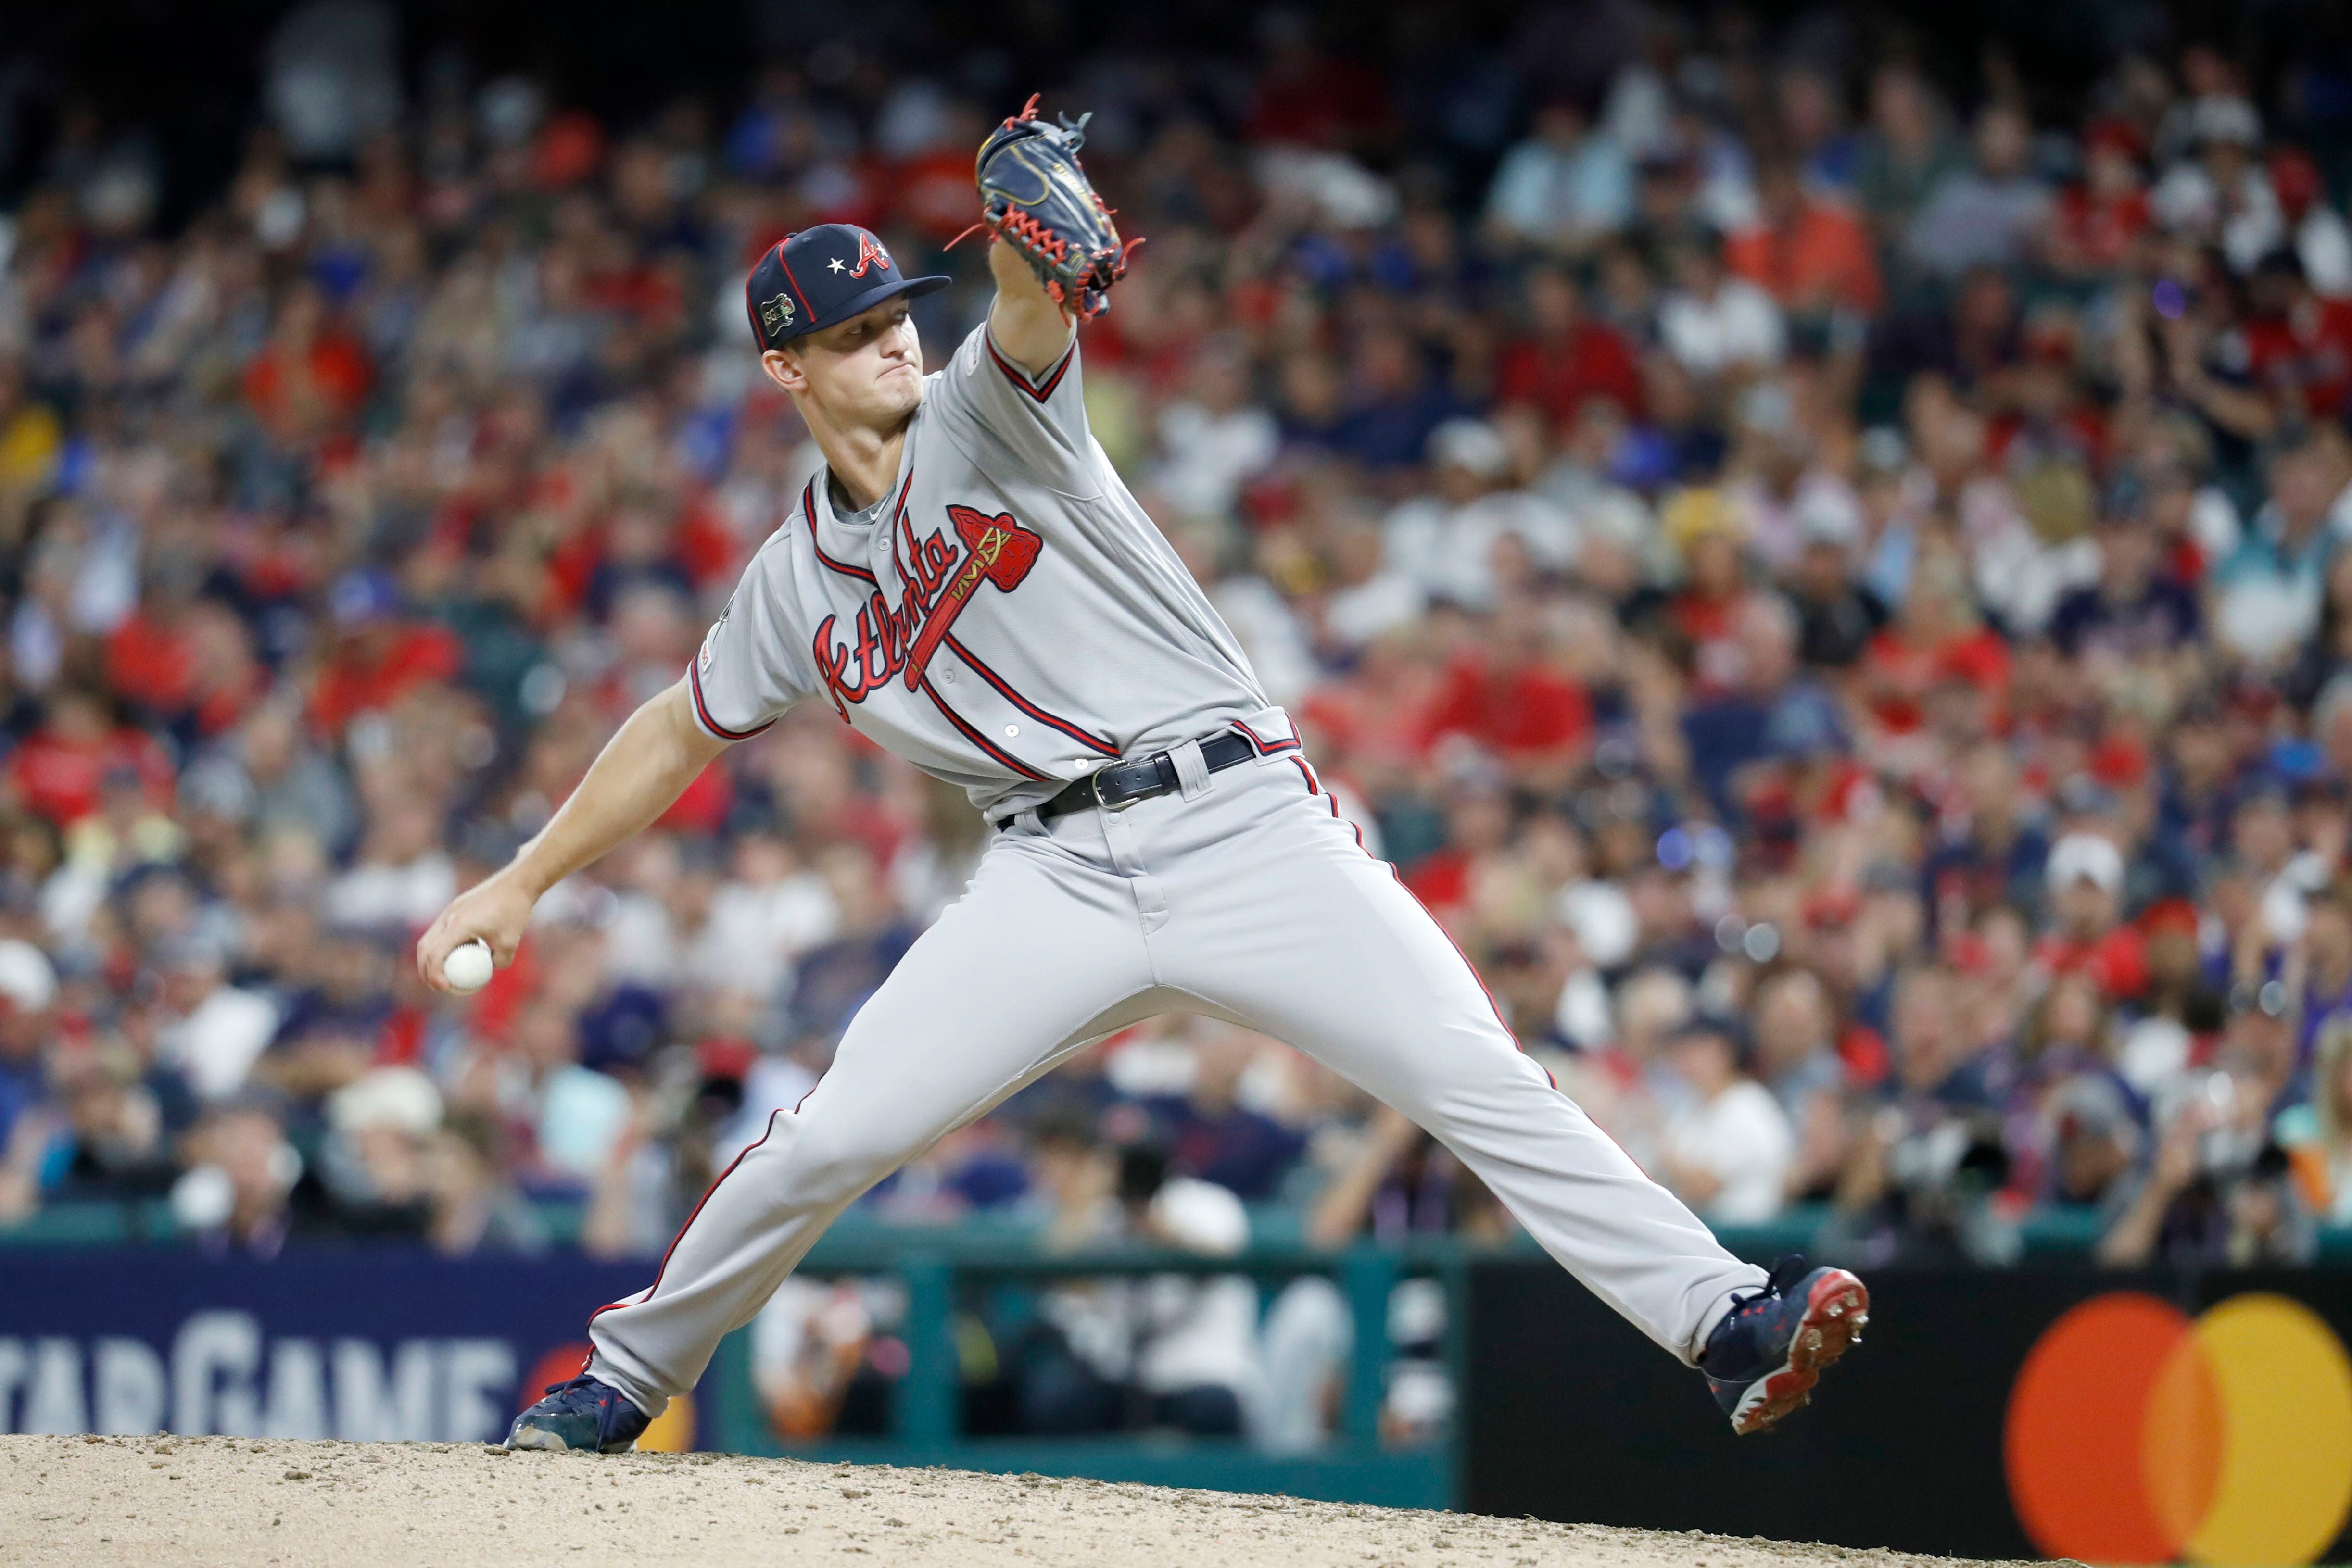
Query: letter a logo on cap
pixel 869 249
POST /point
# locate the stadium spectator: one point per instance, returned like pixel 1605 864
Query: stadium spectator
pixel 1907 152
pixel 2318 1137
pixel 1730 1152
pixel 1797 1060
pixel 1563 189
pixel 1567 358
pixel 1810 254
pixel 238 1190
pixel 1714 323
pixel 1167 1350
pixel 1991 213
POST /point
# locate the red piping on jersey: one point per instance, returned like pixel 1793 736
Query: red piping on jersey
pixel 1315 786
pixel 842 566
pixel 702 709
pixel 1442 931
pixel 1264 748
pixel 808 505
pixel 910 584
pixel 1093 742
pixel 1040 391
pixel 981 740
pixel 663 1268
pixel 1493 1006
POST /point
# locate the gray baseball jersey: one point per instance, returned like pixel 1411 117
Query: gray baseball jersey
pixel 1009 621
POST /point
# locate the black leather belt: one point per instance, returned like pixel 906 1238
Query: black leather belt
pixel 1121 785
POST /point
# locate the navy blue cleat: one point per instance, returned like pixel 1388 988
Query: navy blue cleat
pixel 1764 1357
pixel 581 1415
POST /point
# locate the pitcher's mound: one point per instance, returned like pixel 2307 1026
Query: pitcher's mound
pixel 157 1502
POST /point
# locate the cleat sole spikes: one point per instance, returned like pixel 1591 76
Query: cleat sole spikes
pixel 1833 1324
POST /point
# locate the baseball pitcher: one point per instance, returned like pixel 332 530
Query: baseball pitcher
pixel 968 584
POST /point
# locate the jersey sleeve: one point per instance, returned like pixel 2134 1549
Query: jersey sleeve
pixel 998 411
pixel 751 666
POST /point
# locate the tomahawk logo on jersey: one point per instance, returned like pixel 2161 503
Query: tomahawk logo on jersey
pixel 937 583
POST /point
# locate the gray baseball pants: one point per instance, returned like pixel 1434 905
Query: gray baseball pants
pixel 1244 897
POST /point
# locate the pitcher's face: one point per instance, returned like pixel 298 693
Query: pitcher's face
pixel 864 372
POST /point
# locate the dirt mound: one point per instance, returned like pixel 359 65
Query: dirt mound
pixel 155 1502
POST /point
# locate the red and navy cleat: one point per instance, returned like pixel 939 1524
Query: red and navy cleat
pixel 1764 1357
pixel 582 1413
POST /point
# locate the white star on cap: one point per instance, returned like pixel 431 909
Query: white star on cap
pixel 836 264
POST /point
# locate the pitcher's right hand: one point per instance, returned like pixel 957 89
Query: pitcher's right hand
pixel 496 911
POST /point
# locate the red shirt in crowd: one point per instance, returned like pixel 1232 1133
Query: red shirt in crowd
pixel 2117 962
pixel 151 662
pixel 1710 624
pixel 1824 258
pixel 329 376
pixel 933 193
pixel 1560 374
pixel 2305 355
pixel 386 664
pixel 1515 710
pixel 2098 232
pixel 1318 100
pixel 60 777
pixel 1898 672
pixel 702 806
pixel 1441 881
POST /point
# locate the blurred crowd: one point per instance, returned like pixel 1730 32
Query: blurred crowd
pixel 1831 594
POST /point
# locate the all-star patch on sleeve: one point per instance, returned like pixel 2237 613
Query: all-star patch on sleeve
pixel 996 409
pixel 752 666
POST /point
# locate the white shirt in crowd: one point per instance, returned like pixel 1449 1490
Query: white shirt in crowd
pixel 1208 457
pixel 1381 603
pixel 1739 326
pixel 1448 551
pixel 216 1044
pixel 1742 1138
pixel 375 894
pixel 757 930
pixel 1191 1332
pixel 1171 1331
pixel 1262 623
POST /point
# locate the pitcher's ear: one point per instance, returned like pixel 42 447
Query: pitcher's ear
pixel 783 368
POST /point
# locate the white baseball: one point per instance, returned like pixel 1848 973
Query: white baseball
pixel 468 969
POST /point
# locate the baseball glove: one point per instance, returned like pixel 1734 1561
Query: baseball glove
pixel 1036 197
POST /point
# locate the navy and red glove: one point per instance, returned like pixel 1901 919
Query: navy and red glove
pixel 1036 198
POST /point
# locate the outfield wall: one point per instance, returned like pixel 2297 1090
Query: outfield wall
pixel 2112 1418
pixel 2055 1408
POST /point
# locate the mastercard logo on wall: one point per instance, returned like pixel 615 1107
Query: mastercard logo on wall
pixel 2137 1433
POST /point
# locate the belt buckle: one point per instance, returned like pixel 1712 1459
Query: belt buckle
pixel 1095 782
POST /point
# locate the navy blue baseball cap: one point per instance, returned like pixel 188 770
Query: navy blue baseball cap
pixel 820 277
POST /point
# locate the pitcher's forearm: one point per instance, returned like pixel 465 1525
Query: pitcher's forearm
pixel 1029 327
pixel 642 771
